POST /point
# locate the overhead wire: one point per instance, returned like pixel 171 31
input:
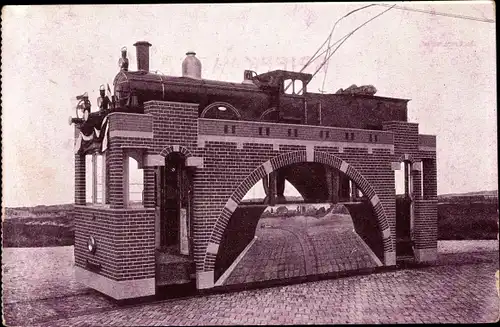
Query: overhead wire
pixel 327 53
pixel 432 12
pixel 346 37
pixel 330 38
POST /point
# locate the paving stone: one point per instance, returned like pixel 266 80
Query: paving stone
pixel 459 289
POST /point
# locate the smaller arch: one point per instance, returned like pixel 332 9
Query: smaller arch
pixel 220 104
pixel 266 113
pixel 406 157
pixel 175 148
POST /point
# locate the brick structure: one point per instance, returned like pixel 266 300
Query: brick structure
pixel 226 158
pixel 201 145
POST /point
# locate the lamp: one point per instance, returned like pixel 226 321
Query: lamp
pixel 91 245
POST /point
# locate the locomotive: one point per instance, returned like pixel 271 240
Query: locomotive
pixel 277 96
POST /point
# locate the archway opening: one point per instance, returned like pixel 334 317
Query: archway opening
pixel 299 221
pixel 135 182
pixel 404 210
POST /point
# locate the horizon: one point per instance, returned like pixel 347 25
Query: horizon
pixel 68 204
pixel 446 66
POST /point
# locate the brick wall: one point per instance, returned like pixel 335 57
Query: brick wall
pixel 425 226
pixel 406 138
pixel 117 152
pixel 124 238
pixel 429 178
pixel 214 186
pixel 287 131
pixel 227 165
pixel 230 168
pixel 130 122
pixel 80 179
pixel 149 187
pixel 173 123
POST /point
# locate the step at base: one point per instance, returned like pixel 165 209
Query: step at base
pixel 174 273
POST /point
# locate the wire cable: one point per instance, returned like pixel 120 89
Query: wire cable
pixel 431 12
pixel 330 38
pixel 346 37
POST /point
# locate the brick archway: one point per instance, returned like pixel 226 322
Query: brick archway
pixel 285 160
pixel 406 157
pixel 175 148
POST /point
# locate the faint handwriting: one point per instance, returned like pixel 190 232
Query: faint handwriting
pixel 447 44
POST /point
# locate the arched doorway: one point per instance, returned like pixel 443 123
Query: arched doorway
pixel 175 204
pixel 404 211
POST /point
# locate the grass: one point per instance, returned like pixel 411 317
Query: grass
pixel 48 230
pixel 467 221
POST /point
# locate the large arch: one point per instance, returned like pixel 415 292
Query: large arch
pixel 285 160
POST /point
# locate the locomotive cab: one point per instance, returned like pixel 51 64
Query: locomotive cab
pixel 290 90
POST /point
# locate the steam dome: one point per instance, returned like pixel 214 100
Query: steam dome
pixel 191 66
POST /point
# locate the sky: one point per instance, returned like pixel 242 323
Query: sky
pixel 50 54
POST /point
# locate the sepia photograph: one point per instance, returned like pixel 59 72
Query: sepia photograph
pixel 249 164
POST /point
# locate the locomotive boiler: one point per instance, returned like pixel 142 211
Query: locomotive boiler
pixel 277 96
pixel 248 100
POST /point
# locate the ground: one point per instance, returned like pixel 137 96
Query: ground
pixel 39 290
pixel 302 245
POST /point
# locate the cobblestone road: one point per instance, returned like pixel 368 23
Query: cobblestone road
pixel 300 246
pixel 460 289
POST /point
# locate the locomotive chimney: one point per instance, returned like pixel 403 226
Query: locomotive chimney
pixel 142 50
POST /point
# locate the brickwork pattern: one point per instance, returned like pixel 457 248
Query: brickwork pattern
pixel 130 122
pixel 181 149
pixel 406 137
pixel 425 229
pixel 80 180
pixel 406 142
pixel 417 184
pixel 124 238
pixel 265 130
pixel 114 160
pixel 225 167
pixel 149 200
pixel 429 179
pixel 173 124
